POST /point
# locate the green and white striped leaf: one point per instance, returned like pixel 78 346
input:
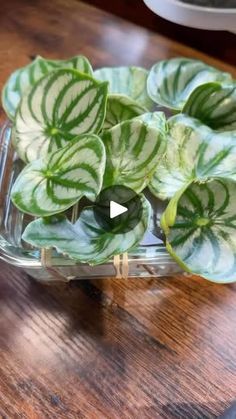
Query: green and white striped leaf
pixel 53 184
pixel 86 241
pixel 129 81
pixel 170 82
pixel 155 120
pixel 24 78
pixel 133 149
pixel 213 104
pixel 121 108
pixel 200 228
pixel 194 153
pixel 61 105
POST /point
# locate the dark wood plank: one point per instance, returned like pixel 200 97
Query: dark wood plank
pixel 220 44
pixel 108 349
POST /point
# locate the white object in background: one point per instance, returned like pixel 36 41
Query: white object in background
pixel 194 16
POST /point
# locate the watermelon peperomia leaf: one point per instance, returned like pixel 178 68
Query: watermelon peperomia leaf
pixel 53 184
pixel 129 81
pixel 200 228
pixel 121 108
pixel 85 241
pixel 61 105
pixel 133 149
pixel 194 153
pixel 214 105
pixel 170 82
pixel 155 120
pixel 24 78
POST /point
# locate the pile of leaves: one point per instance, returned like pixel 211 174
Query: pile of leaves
pixel 80 131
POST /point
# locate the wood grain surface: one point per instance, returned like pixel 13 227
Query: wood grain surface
pixel 159 348
pixel 220 44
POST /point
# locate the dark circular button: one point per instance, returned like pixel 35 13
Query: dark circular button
pixel 118 209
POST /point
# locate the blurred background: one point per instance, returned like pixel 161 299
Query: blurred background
pixel 220 44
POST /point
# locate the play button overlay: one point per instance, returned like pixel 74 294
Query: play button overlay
pixel 118 209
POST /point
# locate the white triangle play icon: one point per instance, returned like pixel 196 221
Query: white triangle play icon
pixel 116 209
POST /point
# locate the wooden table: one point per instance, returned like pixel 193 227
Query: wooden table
pixel 109 348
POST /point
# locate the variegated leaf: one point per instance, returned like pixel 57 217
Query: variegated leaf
pixel 133 149
pixel 200 228
pixel 194 153
pixel 170 82
pixel 53 184
pixel 121 108
pixel 86 241
pixel 213 104
pixel 129 81
pixel 24 78
pixel 155 120
pixel 61 105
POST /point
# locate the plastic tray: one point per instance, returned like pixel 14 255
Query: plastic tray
pixel 148 260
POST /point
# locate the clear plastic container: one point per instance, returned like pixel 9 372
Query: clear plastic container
pixel 150 259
